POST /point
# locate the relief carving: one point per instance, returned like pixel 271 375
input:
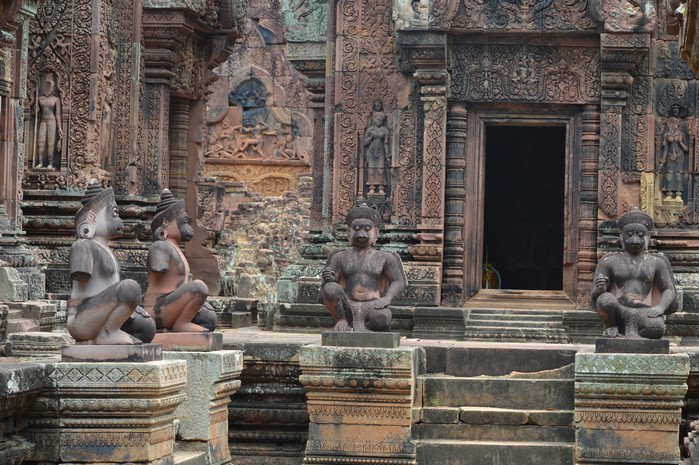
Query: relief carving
pixel 377 153
pixel 49 137
pixel 525 73
pixel 629 16
pixel 305 20
pixel 526 15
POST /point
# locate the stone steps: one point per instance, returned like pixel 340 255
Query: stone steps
pixel 445 452
pixel 524 417
pixel 21 325
pixel 525 394
pixel 508 325
pixel 189 458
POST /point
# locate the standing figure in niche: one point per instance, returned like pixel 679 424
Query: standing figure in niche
pixel 102 308
pixel 674 148
pixel 376 140
pixel 106 128
pixel 50 131
pixel 175 303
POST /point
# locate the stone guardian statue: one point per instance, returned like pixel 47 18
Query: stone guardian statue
pixel 103 308
pixel 634 289
pixel 361 282
pixel 175 303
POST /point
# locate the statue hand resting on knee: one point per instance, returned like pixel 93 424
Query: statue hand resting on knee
pixel 175 303
pixel 102 308
pixel 634 289
pixel 360 283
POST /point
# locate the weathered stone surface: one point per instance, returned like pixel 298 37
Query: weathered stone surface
pixel 492 416
pixel 361 339
pixel 446 453
pixel 501 360
pixel 189 342
pixel 112 353
pixel 441 415
pixel 36 343
pixel 212 377
pixel 12 287
pixel 628 407
pixel 605 345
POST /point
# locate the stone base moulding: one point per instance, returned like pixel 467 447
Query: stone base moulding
pixel 102 412
pixel 628 407
pixel 359 404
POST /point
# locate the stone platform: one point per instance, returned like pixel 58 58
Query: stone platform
pixel 189 342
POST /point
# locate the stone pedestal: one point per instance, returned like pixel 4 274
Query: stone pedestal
pixel 359 404
pixel 102 412
pixel 19 383
pixel 203 418
pixel 628 407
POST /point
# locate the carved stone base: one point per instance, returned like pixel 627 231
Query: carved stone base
pixel 212 379
pixel 628 407
pixel 190 342
pixel 359 404
pixel 138 353
pixel 107 412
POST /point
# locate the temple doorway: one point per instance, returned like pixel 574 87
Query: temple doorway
pixel 524 207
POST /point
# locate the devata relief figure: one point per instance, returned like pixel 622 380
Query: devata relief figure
pixel 50 131
pixel 671 163
pixel 102 308
pixel 376 142
pixel 360 283
pixel 633 289
pixel 175 303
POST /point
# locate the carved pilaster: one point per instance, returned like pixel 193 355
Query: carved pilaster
pixel 589 162
pixel 179 127
pixel 433 96
pixel 615 87
pixel 453 278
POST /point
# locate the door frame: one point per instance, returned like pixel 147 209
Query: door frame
pixel 481 115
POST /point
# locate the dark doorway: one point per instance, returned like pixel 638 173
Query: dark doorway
pixel 524 205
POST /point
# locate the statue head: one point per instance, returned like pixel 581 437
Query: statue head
pixel 634 231
pixel 675 109
pixel 48 86
pixel 363 222
pixel 171 219
pixel 99 215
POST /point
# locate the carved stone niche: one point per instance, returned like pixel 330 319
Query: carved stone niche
pixel 253 136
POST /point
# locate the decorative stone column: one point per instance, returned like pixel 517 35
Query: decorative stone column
pixel 359 403
pixel 453 279
pixel 628 407
pixel 100 412
pixel 212 379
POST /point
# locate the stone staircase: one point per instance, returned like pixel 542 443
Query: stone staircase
pixel 510 325
pixel 479 416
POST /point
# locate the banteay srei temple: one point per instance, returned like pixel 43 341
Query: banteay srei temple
pixel 349 232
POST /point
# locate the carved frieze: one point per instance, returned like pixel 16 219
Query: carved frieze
pixel 536 73
pixel 526 16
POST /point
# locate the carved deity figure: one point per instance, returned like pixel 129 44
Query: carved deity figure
pixel 175 303
pixel 634 289
pixel 360 283
pixel 672 159
pixel 50 132
pixel 376 138
pixel 103 309
pixel 248 139
pixel 106 127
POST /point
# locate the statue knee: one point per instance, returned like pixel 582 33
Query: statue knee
pixel 200 288
pixel 607 302
pixel 379 320
pixel 653 328
pixel 129 293
pixel 333 291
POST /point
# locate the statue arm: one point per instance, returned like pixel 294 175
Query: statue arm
pixel 81 261
pixel 665 282
pixel 601 281
pixel 159 257
pixel 396 276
